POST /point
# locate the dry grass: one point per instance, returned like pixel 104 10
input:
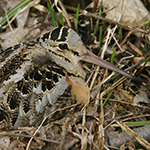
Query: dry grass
pixel 93 127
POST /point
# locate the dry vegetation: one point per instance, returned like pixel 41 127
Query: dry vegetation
pixel 121 27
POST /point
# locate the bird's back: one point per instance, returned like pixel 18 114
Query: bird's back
pixel 32 85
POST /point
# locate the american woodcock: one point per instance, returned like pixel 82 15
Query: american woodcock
pixel 35 75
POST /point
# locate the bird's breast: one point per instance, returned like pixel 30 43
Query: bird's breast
pixel 79 89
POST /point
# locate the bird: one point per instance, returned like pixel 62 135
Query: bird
pixel 36 75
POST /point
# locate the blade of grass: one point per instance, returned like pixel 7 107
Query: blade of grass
pixel 108 97
pixel 120 32
pixel 13 11
pixel 62 20
pixel 112 60
pixel 143 49
pixel 101 5
pixel 100 36
pixel 97 22
pixel 77 17
pixel 52 14
pixel 95 29
pixel 114 75
pixel 146 61
pixel 138 123
pixel 144 64
pixel 147 26
pixel 113 56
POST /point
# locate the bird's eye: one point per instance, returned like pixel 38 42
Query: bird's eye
pixel 63 46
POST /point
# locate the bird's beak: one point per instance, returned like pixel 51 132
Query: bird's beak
pixel 92 58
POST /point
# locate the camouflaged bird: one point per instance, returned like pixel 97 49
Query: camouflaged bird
pixel 36 75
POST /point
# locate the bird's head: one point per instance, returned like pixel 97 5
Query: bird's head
pixel 66 48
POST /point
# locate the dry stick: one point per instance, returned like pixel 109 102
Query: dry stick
pixel 101 120
pixel 83 146
pixel 134 135
pixel 134 66
pixel 135 117
pixel 112 35
pixel 108 10
pixel 65 14
pixel 44 121
pixel 114 100
pixel 131 56
pixel 106 147
pixel 10 25
pixel 80 137
pixel 105 46
pixel 94 77
pixel 28 136
pixel 116 118
pixel 103 81
pixel 98 67
pixel 36 131
pixel 116 140
pixel 94 15
pixel 107 42
pixel 33 3
pixel 95 5
pixel 117 83
pixel 101 128
pixel 64 133
pixel 137 50
pixel 102 55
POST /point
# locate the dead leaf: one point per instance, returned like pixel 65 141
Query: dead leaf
pixel 134 135
pixel 134 11
pixel 4 142
pixel 141 97
pixel 8 37
pixel 128 145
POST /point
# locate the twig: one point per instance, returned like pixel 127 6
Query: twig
pixel 94 15
pixel 43 122
pixel 10 25
pixel 28 136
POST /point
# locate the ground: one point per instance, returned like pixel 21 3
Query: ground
pixel 119 107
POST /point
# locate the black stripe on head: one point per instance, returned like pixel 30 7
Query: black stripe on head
pixel 63 34
pixel 55 34
pixel 45 36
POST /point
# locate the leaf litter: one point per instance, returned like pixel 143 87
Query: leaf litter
pixel 91 128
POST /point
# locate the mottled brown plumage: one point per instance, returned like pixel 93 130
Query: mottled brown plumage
pixel 35 76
